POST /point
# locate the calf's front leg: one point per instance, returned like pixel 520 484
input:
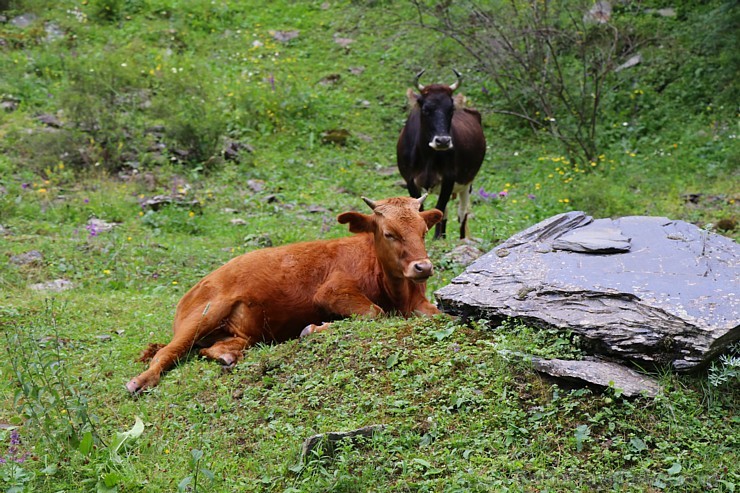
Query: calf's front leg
pixel 340 296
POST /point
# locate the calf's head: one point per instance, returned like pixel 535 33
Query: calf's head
pixel 436 106
pixel 398 228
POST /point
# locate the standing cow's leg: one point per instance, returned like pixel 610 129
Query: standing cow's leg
pixel 189 327
pixel 463 210
pixel 445 193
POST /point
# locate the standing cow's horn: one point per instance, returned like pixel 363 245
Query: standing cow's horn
pixel 421 200
pixel 458 81
pixel 369 202
pixel 416 79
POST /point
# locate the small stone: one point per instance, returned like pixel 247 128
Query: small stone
pixel 329 440
pixel 343 42
pixel 284 36
pixel 23 21
pixel 330 79
pixel 27 258
pixel 464 254
pixel 49 120
pixel 99 226
pixel 256 185
pixel 337 136
pixel 55 286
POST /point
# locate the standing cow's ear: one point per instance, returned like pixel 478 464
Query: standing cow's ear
pixel 412 97
pixel 358 223
pixel 432 217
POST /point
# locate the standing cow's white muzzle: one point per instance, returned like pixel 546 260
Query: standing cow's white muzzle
pixel 441 143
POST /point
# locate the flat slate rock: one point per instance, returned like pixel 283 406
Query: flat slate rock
pixel 646 289
pixel 600 373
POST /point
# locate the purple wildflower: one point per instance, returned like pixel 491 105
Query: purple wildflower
pixel 25 185
pixel 485 195
pixel 485 90
pixel 87 201
pixel 503 194
pixel 13 452
pixel 531 196
pixel 92 230
pixel 272 82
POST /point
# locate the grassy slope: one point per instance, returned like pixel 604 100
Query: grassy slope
pixel 459 416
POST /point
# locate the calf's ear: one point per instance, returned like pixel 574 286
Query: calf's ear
pixel 432 217
pixel 358 223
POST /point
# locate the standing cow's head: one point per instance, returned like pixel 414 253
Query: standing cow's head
pixel 399 227
pixel 436 106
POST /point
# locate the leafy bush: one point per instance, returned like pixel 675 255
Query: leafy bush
pixel 549 64
pixel 727 369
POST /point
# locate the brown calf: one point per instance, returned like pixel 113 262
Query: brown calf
pixel 275 294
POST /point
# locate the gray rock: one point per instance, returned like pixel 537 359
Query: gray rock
pixel 600 13
pixel 9 106
pixel 49 120
pixel 601 373
pixel 665 12
pixel 285 36
pixel 670 299
pixel 53 32
pixel 633 60
pixel 55 286
pixel 329 440
pixel 464 254
pixel 27 258
pixel 159 201
pixel 597 237
pixel 96 226
pixel 24 20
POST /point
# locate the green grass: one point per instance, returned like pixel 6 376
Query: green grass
pixel 459 415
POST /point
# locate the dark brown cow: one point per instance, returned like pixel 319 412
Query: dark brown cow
pixel 280 293
pixel 441 148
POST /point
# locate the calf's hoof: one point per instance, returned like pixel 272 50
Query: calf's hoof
pixel 133 387
pixel 308 330
pixel 136 385
pixel 228 361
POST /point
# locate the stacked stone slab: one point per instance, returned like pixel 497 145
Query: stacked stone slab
pixel 644 289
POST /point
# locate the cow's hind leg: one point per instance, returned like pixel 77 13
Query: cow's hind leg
pixel 227 351
pixel 463 210
pixel 189 328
